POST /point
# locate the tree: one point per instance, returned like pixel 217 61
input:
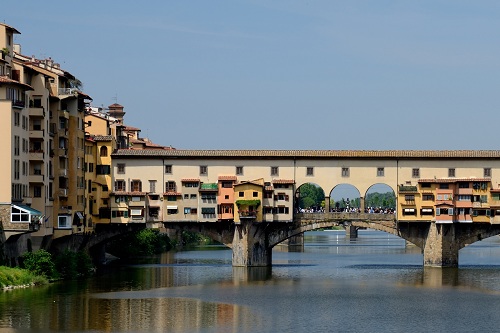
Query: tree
pixel 311 195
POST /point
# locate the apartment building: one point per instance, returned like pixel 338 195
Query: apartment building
pixel 44 135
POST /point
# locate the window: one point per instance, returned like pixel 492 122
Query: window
pixel 136 185
pixel 444 186
pixel 410 197
pixel 17 118
pixel 120 168
pixel 345 172
pixel 203 170
pixel 136 213
pixel 444 211
pixel 119 213
pixel 380 172
pixel 187 210
pixel 16 145
pixel 119 185
pixel 239 170
pixel 487 172
pixel 168 169
pixel 428 197
pixel 451 172
pixel 103 151
pixel 64 221
pixel 208 212
pixel 464 198
pixel 170 186
pixel 427 211
pixel 37 191
pixel 282 210
pixel 186 196
pixel 121 198
pixel 209 198
pixel 415 172
pixel 274 171
pixel 409 211
pixel 102 169
pixel 227 185
pixel 310 171
pixel 255 194
pixel 241 194
pixel 463 185
pixel 193 196
pixel 17 215
pixel 152 186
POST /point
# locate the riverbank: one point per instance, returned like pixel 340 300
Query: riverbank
pixel 11 278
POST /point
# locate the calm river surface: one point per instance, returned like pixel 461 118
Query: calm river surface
pixel 372 284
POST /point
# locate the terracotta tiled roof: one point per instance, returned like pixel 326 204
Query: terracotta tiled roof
pixel 228 178
pixel 453 180
pixel 6 79
pixel 190 180
pixel 338 154
pixel 103 138
pixel 283 181
pixel 495 190
pixel 172 193
pixel 130 193
pixel 130 128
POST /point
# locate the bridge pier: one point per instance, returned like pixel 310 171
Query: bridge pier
pixel 250 245
pixel 441 246
pixel 351 232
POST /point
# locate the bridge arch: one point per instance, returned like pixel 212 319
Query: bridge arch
pixel 309 196
pixel 380 196
pixel 345 196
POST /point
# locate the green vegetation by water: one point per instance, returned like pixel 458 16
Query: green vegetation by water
pixel 10 277
pixel 142 243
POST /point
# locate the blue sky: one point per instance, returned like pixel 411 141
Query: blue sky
pixel 282 74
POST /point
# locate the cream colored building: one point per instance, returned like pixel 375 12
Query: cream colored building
pixel 283 172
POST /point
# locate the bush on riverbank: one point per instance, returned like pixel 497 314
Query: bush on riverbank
pixel 142 243
pixel 195 238
pixel 19 277
pixel 72 265
pixel 40 263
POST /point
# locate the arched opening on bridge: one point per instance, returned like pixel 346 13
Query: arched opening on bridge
pixel 309 197
pixel 344 197
pixel 380 198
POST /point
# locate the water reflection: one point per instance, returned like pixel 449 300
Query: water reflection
pixel 376 277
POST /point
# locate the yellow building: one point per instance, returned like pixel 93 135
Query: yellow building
pixel 248 197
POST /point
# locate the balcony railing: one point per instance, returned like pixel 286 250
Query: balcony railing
pixel 18 104
pixel 67 91
pixel 246 214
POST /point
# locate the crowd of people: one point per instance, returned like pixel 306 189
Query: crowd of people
pixel 368 210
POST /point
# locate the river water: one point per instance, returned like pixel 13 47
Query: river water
pixel 372 284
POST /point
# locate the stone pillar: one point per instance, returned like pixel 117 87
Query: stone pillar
pixel 362 204
pixel 249 245
pixel 351 232
pixel 327 204
pixel 440 246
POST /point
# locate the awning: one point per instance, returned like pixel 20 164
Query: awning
pixel 28 209
pixel 80 215
pixel 171 207
pixel 136 212
pixel 409 210
pixel 25 214
pixel 426 210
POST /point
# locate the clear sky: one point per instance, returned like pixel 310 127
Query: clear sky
pixel 263 74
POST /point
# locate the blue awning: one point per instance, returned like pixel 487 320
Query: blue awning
pixel 28 209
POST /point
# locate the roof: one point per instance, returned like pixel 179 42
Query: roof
pixel 228 178
pixel 454 180
pixel 283 181
pixel 6 79
pixel 103 138
pixel 14 30
pixel 320 154
pixel 130 193
pixel 190 180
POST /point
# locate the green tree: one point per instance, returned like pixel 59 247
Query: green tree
pixel 40 263
pixel 311 195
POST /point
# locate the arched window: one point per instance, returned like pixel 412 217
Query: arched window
pixel 104 151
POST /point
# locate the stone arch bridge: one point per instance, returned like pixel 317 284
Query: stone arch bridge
pixel 252 242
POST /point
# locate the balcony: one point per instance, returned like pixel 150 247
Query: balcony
pixel 37 134
pixel 247 215
pixel 36 177
pixel 63 192
pixel 137 203
pixel 63 172
pixel 36 112
pixel 62 133
pixel 18 104
pixel 36 155
pixel 62 152
pixel 67 91
pixel 63 114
